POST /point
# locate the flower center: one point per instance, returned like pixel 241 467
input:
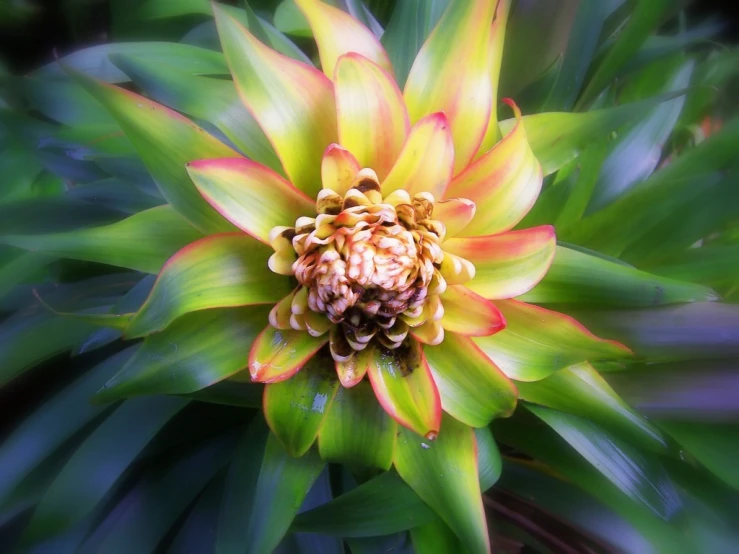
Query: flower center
pixel 368 266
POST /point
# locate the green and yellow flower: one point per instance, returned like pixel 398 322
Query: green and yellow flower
pixel 394 225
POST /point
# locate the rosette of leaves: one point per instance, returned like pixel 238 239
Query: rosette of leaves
pixel 135 418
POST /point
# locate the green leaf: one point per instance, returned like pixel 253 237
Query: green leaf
pixel 558 137
pixel 196 535
pixel 714 265
pixel 490 464
pixel 99 463
pixel 640 477
pixel 579 277
pixel 64 101
pixel 94 61
pixel 52 215
pixel 117 195
pixel 165 141
pixel 579 390
pixel 572 505
pixel 380 506
pixel 54 423
pixel 680 184
pixel 149 512
pixel 582 43
pixel 531 437
pixel 231 393
pixel 436 537
pixel 213 100
pixel 196 351
pixel 689 331
pixel 444 474
pixel 638 151
pixel 162 9
pixel 357 430
pixel 643 21
pixel 26 340
pixel 20 268
pixel 715 445
pixel 412 21
pixel 289 19
pixel 264 489
pixel 143 241
pixel 219 271
pixel 296 408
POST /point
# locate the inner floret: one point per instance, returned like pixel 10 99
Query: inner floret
pixel 368 267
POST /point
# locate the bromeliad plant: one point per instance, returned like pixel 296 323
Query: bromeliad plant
pixel 340 282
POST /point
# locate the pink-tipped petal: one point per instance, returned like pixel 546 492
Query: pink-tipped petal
pixel 452 74
pixel 278 354
pixel 470 314
pixel 455 214
pixel 249 195
pixel 508 264
pixel 504 183
pixel 404 387
pixel 373 121
pixel 537 342
pixel 338 33
pixel 353 370
pixel 293 102
pixel 426 161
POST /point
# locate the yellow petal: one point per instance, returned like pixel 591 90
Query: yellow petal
pixel 338 169
pixel 292 101
pixel 426 161
pixel 337 33
pixel 452 74
pixel 373 122
pixel 504 183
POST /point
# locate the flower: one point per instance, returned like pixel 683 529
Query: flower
pixel 395 219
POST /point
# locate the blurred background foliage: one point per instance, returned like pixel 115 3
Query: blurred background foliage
pixel 641 163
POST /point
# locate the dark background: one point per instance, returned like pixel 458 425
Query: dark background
pixel 25 45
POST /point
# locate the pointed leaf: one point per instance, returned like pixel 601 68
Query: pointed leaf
pixel 578 277
pixel 265 487
pixel 357 430
pixel 373 121
pixel 204 98
pixel 195 352
pixel 277 355
pixel 292 101
pixel 508 264
pixel 444 474
pixel 581 391
pixel 380 506
pixel 558 137
pixel 99 463
pixel 640 477
pixel 143 241
pixel 337 33
pixel 462 33
pixel 296 408
pixel 537 342
pixel 405 387
pixel 472 388
pixel 166 141
pixel 251 196
pixel 411 22
pixel 152 508
pixel 54 423
pixel 219 271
